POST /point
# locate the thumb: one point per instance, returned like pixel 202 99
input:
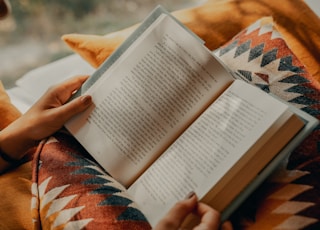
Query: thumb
pixel 183 208
pixel 177 214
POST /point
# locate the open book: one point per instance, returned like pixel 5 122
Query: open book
pixel 169 119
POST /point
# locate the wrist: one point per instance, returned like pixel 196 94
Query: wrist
pixel 14 143
pixel 8 159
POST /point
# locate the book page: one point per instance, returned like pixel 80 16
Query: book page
pixel 147 98
pixel 207 149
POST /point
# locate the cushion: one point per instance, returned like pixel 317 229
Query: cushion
pixel 212 22
pixel 289 199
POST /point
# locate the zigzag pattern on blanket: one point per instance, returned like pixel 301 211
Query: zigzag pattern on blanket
pixel 84 197
pixel 261 57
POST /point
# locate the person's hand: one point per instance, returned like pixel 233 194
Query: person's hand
pixel 51 111
pixel 209 217
pixel 44 118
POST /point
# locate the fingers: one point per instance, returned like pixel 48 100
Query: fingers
pixel 210 218
pixel 74 107
pixel 178 213
pixel 226 226
pixel 64 90
pixel 181 209
pixel 52 108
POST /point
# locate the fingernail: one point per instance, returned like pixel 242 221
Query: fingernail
pixel 190 195
pixel 86 99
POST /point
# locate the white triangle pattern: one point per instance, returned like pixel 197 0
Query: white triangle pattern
pixel 65 215
pixel 57 205
pixel 299 222
pixel 291 207
pixel 79 224
pixel 51 195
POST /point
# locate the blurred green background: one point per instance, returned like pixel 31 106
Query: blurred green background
pixel 30 37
